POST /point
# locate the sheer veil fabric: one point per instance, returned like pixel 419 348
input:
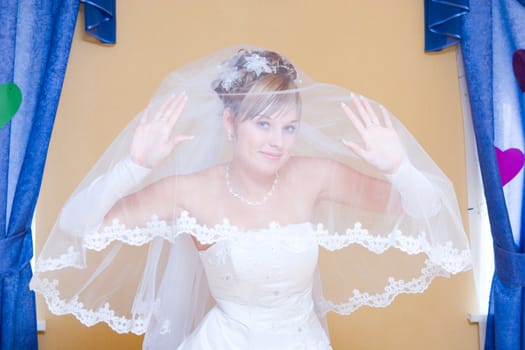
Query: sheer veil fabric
pixel 145 274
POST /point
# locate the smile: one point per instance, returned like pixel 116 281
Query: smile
pixel 271 155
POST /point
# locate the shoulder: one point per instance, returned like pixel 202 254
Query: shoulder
pixel 183 183
pixel 183 191
pixel 201 180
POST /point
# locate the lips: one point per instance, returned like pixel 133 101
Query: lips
pixel 271 155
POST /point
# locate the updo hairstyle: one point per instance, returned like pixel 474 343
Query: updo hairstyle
pixel 254 83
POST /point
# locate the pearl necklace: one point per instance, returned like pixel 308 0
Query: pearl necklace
pixel 244 200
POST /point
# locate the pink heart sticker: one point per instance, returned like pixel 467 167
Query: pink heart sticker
pixel 510 163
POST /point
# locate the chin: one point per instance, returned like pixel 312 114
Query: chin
pixel 273 165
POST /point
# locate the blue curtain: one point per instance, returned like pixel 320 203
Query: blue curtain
pixel 34 44
pixel 100 20
pixel 443 20
pixel 493 33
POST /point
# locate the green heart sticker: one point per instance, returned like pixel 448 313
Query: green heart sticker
pixel 10 100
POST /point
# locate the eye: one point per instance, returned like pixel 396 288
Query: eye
pixel 263 124
pixel 290 129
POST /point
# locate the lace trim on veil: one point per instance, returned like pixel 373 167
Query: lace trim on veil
pixel 89 317
pixel 442 260
pixel 394 288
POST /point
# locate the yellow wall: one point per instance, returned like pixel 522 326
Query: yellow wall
pixel 373 47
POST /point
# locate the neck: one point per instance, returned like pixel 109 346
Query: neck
pixel 250 186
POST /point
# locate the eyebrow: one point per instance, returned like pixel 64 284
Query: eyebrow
pixel 260 116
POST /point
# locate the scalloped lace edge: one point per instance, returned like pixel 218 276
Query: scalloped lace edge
pixel 394 288
pixel 139 324
pixel 446 256
pixel 88 317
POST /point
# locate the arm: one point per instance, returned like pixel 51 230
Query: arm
pixel 419 198
pixel 382 148
pixel 86 210
pixel 414 193
pixel 342 184
pixel 152 143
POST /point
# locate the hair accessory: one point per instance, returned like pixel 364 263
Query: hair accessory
pixel 258 64
pixel 231 71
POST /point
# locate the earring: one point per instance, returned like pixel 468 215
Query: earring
pixel 230 137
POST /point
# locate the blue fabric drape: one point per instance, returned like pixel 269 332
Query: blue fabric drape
pixel 101 20
pixel 492 31
pixel 443 20
pixel 35 43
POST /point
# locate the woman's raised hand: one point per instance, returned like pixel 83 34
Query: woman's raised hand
pixel 381 146
pixel 154 140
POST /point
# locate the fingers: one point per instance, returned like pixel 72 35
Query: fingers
pixel 173 106
pixel 362 112
pixel 366 115
pixel 386 117
pixel 360 151
pixel 175 110
pixel 169 110
pixel 160 113
pixel 181 138
pixel 369 111
pixel 356 122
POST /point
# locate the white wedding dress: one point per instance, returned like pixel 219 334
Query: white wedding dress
pixel 262 284
pixel 270 288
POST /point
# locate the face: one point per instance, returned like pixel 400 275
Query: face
pixel 264 143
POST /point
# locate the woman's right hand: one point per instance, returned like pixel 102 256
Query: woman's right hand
pixel 153 139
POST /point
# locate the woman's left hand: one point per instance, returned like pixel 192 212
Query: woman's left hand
pixel 381 146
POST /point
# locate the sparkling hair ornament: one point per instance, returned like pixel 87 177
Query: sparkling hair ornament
pixel 237 74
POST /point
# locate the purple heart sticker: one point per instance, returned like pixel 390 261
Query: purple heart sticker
pixel 518 64
pixel 510 163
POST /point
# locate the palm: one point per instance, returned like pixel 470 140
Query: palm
pixel 380 145
pixel 153 140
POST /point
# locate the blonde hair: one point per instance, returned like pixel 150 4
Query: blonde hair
pixel 266 87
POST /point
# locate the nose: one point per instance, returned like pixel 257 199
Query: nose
pixel 276 138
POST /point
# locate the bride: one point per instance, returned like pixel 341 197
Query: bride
pixel 205 241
